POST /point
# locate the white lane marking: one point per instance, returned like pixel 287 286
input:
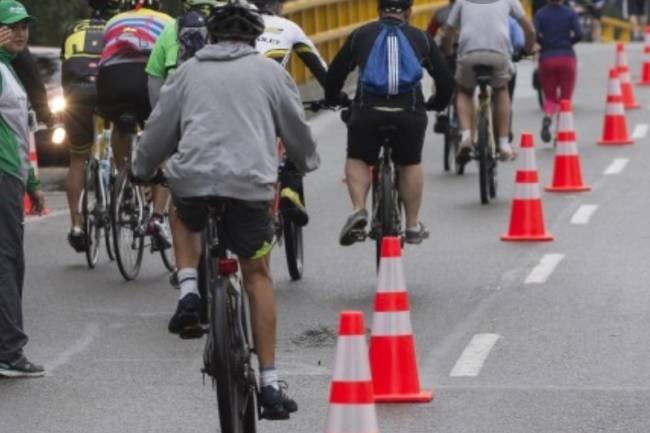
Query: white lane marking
pixel 473 357
pixel 544 269
pixel 52 214
pixel 584 213
pixel 640 131
pixel 617 166
pixel 90 334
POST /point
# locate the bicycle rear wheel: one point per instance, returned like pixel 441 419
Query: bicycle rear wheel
pixel 230 363
pixel 293 248
pixel 483 158
pixel 126 223
pixel 167 254
pixel 89 208
pixel 387 209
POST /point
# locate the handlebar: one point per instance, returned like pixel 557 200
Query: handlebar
pixel 158 179
pixel 321 104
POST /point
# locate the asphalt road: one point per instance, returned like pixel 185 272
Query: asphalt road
pixel 568 353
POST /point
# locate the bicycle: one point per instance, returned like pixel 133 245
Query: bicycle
pixel 95 200
pixel 228 350
pixel 486 150
pixel 447 125
pixel 131 209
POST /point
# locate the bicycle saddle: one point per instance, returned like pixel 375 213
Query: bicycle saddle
pixel 483 74
pixel 128 122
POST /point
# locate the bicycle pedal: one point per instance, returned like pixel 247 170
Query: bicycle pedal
pixel 192 333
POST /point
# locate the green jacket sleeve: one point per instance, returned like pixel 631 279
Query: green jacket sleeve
pixel 33 182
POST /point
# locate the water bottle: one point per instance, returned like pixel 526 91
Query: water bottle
pixel 104 173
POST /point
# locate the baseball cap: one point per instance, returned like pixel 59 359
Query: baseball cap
pixel 12 12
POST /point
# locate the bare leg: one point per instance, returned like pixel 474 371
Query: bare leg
pixel 359 182
pixel 259 286
pixel 160 198
pixel 74 187
pixel 503 111
pixel 411 186
pixel 187 244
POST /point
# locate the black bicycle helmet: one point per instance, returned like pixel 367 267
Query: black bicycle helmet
pixel 236 19
pixel 135 4
pixel 394 5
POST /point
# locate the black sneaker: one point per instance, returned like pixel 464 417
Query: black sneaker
pixel 546 129
pixel 353 228
pixel 186 320
pixel 291 205
pixel 77 240
pixel 21 368
pixel 416 237
pixel 276 404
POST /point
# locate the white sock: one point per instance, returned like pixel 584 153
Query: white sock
pixel 269 377
pixel 465 134
pixel 187 279
pixel 504 143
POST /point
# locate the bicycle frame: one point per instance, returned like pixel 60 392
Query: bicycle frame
pixel 485 104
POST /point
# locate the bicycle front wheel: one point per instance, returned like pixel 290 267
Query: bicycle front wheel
pixel 483 157
pixel 230 363
pixel 126 223
pixel 89 208
pixel 388 217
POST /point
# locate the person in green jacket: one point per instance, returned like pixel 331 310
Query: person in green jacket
pixel 16 176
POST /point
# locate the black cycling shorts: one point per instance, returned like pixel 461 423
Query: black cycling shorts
pixel 78 117
pixel 364 139
pixel 636 7
pixel 248 225
pixel 121 88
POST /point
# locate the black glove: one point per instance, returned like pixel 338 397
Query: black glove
pixel 430 105
pixel 157 179
pixel 341 100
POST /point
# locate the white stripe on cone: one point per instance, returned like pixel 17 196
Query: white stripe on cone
pixel 565 124
pixel 566 148
pixel 527 158
pixel 615 109
pixel 391 275
pixel 352 418
pixel 527 191
pixel 347 368
pixel 385 324
pixel 614 87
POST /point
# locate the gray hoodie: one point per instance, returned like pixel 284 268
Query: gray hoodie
pixel 217 123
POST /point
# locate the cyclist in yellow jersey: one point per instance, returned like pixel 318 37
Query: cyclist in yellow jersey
pixel 80 53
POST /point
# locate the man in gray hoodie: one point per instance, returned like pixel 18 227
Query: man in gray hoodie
pixel 216 123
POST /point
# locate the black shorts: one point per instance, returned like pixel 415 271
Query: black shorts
pixel 364 139
pixel 123 88
pixel 248 225
pixel 636 7
pixel 78 117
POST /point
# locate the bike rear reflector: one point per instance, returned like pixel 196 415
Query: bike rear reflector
pixel 228 267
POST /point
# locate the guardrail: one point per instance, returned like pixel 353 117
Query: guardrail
pixel 329 22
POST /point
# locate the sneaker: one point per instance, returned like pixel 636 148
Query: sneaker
pixel 546 129
pixel 276 404
pixel 186 320
pixel 354 226
pixel 159 229
pixel 464 153
pixel 21 368
pixel 506 153
pixel 415 237
pixel 77 240
pixel 291 205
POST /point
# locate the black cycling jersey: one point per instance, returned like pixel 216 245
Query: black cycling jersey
pixel 27 71
pixel 355 53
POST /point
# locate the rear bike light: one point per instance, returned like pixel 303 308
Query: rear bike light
pixel 58 136
pixel 228 267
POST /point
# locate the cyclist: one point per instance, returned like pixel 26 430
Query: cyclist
pixel 484 39
pixel 280 39
pixel 373 106
pixel 128 40
pixel 80 53
pixel 558 29
pixel 439 19
pixel 228 130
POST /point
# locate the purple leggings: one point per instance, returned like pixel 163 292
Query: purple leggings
pixel 558 79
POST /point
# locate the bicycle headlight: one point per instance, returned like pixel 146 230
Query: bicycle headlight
pixel 58 136
pixel 57 104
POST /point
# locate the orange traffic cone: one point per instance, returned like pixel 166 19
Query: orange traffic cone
pixel 567 174
pixel 392 345
pixel 33 160
pixel 624 75
pixel 615 126
pixel 527 218
pixel 645 69
pixel 352 404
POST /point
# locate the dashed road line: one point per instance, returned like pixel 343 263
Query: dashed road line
pixel 584 213
pixel 81 345
pixel 473 357
pixel 617 166
pixel 544 269
pixel 640 131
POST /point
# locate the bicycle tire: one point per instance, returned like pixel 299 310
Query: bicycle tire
pixel 387 209
pixel 234 396
pixel 126 219
pixel 483 160
pixel 293 248
pixel 89 202
pixel 108 227
pixel 493 183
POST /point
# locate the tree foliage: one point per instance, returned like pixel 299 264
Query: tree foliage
pixel 54 16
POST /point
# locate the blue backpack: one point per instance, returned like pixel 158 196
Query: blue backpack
pixel 392 67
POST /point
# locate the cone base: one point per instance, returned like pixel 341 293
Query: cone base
pixel 633 107
pixel 423 396
pixel 643 83
pixel 615 142
pixel 546 237
pixel 579 188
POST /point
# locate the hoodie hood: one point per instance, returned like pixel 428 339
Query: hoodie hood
pixel 225 51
